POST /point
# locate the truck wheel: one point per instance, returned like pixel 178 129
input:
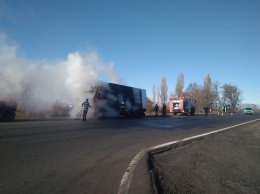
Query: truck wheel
pixel 7 115
pixel 175 113
pixel 192 111
pixel 126 114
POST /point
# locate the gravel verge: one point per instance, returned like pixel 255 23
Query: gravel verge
pixel 225 162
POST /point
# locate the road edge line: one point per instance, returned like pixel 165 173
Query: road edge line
pixel 126 180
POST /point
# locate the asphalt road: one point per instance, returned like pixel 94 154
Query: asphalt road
pixel 71 156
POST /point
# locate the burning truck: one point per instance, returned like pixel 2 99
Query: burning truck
pixel 109 96
pixel 7 109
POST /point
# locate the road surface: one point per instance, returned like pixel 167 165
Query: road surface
pixel 71 156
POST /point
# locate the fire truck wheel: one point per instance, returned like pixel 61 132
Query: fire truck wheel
pixel 192 111
pixel 7 115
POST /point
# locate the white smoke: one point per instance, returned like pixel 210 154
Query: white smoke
pixel 45 82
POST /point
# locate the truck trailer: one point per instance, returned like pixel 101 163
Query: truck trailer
pixel 7 109
pixel 109 96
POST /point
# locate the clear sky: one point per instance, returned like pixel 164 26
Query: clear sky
pixel 145 40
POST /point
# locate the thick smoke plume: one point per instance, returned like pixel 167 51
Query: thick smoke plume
pixel 37 85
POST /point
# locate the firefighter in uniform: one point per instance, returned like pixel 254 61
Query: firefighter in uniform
pixel 206 111
pixel 156 109
pixel 164 110
pixel 85 105
pixel 122 108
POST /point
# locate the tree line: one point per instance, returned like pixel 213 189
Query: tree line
pixel 210 94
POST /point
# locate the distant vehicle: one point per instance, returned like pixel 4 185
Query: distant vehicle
pixel 182 105
pixel 7 109
pixel 109 96
pixel 248 111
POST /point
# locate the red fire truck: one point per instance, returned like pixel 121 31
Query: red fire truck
pixel 182 105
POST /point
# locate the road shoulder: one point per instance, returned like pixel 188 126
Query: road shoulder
pixel 225 162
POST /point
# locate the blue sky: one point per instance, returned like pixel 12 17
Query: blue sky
pixel 145 39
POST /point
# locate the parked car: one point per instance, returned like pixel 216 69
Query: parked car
pixel 248 111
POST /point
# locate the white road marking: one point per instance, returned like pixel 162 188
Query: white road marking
pixel 126 180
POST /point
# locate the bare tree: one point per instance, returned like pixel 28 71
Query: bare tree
pixel 207 91
pixel 218 98
pixel 158 94
pixel 232 94
pixel 164 90
pixel 195 91
pixel 149 105
pixel 154 93
pixel 179 85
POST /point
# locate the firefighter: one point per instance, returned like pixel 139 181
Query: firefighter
pixel 122 108
pixel 164 110
pixel 206 110
pixel 156 110
pixel 85 106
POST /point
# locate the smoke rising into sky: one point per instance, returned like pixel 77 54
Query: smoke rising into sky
pixel 66 80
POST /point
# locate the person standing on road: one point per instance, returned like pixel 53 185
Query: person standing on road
pixel 164 110
pixel 206 110
pixel 122 108
pixel 85 106
pixel 156 110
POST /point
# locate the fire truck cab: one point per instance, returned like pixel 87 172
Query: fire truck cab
pixel 182 105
